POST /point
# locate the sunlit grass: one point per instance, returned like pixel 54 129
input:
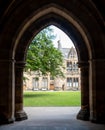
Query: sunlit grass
pixel 46 98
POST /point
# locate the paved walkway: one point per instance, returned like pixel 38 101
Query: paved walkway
pixel 52 118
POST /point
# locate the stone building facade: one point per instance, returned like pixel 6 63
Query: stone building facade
pixel 71 72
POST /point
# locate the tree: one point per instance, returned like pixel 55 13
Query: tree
pixel 43 57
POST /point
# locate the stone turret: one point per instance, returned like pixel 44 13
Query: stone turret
pixel 59 45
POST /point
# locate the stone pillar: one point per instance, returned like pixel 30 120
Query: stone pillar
pixel 6 91
pixel 84 112
pixel 19 112
pixel 97 90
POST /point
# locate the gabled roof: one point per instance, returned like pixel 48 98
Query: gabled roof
pixel 72 52
pixel 68 51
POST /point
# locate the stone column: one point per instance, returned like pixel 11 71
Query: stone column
pixel 6 91
pixel 97 90
pixel 19 112
pixel 84 112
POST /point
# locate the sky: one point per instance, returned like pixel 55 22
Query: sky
pixel 64 39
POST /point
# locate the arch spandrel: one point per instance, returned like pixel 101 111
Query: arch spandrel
pixel 55 16
pixel 83 13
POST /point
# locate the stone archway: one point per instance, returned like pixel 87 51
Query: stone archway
pixel 74 20
pixel 57 19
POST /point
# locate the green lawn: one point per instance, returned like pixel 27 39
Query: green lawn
pixel 45 98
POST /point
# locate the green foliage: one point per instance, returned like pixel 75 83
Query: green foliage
pixel 43 57
pixel 69 98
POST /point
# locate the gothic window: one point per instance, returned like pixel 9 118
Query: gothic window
pixel 72 55
pixel 74 67
pixel 35 83
pixel 69 66
pixel 69 82
pixel 75 83
pixel 44 83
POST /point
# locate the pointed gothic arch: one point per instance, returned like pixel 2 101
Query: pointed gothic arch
pixel 81 21
pixel 55 16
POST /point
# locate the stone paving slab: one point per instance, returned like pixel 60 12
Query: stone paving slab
pixel 52 118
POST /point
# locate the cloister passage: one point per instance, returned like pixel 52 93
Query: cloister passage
pixel 82 21
pixel 47 20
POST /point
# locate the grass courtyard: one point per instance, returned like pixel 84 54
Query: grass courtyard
pixel 52 98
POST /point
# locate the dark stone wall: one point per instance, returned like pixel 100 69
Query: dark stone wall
pixel 82 20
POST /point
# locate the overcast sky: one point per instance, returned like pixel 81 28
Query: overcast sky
pixel 65 40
